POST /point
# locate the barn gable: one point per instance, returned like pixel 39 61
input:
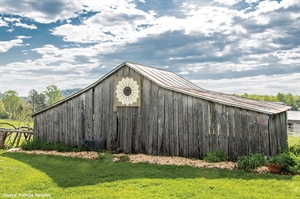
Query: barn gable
pixel 175 117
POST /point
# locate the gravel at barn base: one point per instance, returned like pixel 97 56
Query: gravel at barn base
pixel 135 158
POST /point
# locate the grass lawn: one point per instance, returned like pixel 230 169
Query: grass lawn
pixel 293 140
pixel 16 123
pixel 66 177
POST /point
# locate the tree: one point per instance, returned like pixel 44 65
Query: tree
pixel 280 97
pixel 3 113
pixel 23 111
pixel 11 102
pixel 53 94
pixel 36 100
pixel 290 100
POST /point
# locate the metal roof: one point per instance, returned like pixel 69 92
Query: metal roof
pixel 293 116
pixel 174 82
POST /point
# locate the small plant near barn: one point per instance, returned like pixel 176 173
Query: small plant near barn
pixel 216 156
pixel 249 163
pixel 124 158
pixel 107 156
pixel 37 144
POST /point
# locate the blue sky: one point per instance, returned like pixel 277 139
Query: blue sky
pixel 230 46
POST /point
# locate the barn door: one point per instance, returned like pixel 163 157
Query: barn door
pixel 126 102
pixel 127 135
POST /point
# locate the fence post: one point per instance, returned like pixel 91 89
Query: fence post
pixel 2 133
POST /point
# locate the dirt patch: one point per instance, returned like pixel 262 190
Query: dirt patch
pixel 135 158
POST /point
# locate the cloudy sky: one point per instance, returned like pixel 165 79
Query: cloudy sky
pixel 230 46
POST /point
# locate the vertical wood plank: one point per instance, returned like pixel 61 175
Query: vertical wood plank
pixel 200 124
pixel 146 88
pixel 231 133
pixel 278 131
pixel 238 132
pixel 245 132
pixel 190 127
pixel 166 135
pixel 185 126
pixel 264 143
pixel 180 125
pixel 283 133
pixel 213 136
pixel 206 127
pixel 223 133
pixel 272 136
pixel 154 119
pixel 253 132
pixel 195 121
pixel 175 124
pixel 172 139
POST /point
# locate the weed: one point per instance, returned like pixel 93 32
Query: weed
pixel 216 156
pixel 124 158
pixel 37 144
pixel 249 163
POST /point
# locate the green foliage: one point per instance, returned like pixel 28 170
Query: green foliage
pixel 53 94
pixel 12 103
pixel 66 177
pixel 295 149
pixel 124 158
pixel 290 160
pixel 249 163
pixel 68 92
pixel 106 156
pixel 37 144
pixel 288 99
pixel 3 113
pixel 36 100
pixel 216 156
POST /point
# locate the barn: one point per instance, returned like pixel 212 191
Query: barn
pixel 142 109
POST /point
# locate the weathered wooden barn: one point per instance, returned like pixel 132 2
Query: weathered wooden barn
pixel 142 109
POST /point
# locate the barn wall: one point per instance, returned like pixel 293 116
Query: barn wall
pixel 168 123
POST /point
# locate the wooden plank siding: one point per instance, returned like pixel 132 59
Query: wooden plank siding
pixel 168 123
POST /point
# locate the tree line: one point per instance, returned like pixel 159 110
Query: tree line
pixel 288 99
pixel 14 107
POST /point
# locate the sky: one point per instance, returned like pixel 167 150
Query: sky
pixel 229 46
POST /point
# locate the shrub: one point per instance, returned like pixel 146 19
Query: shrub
pixel 124 158
pixel 37 144
pixel 295 149
pixel 216 156
pixel 249 163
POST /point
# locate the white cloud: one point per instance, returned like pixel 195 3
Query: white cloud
pixel 23 25
pixel 43 11
pixel 6 45
pixel 261 84
pixel 228 2
pixel 2 23
pixel 12 19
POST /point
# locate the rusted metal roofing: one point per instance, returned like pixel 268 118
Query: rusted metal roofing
pixel 174 82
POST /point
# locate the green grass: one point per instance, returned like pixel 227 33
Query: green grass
pixel 293 140
pixel 65 177
pixel 16 123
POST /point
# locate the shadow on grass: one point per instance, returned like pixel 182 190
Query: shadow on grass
pixel 72 172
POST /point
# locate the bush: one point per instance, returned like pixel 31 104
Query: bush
pixel 124 158
pixel 37 144
pixel 295 149
pixel 249 163
pixel 216 156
